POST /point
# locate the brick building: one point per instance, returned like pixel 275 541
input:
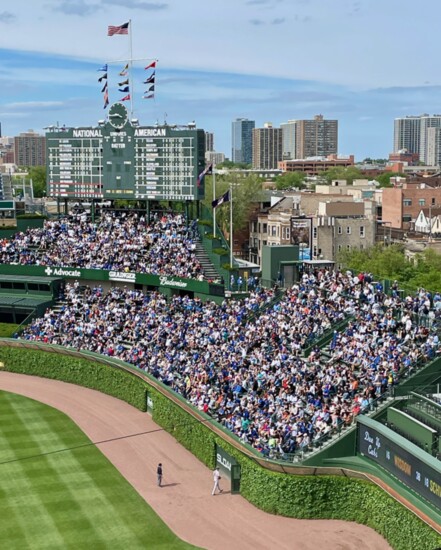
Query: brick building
pixel 314 166
pixel 30 149
pixel 401 205
pixel 337 223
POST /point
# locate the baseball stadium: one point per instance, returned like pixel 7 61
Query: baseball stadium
pixel 125 346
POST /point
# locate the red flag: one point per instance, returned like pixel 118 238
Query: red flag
pixel 151 66
pixel 125 98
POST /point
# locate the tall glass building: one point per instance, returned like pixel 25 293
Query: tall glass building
pixel 242 140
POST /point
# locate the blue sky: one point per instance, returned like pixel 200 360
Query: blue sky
pixel 363 62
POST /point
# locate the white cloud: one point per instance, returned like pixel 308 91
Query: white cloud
pixel 32 105
pixel 217 35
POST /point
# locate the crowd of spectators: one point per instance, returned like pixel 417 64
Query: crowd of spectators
pixel 119 241
pixel 247 371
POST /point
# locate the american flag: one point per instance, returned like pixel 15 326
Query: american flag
pixel 121 29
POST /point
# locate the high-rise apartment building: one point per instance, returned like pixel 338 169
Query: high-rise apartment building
pixel 427 123
pixel 433 147
pixel 30 149
pixel 242 140
pixel 316 138
pixel 211 157
pixel 267 147
pixel 209 141
pixel 416 134
pixel 407 134
pixel 289 139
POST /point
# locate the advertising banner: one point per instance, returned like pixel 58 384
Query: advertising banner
pixel 410 469
pixel 301 235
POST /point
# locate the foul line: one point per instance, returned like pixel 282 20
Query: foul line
pixel 88 444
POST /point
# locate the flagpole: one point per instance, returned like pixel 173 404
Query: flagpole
pixel 214 198
pixel 131 89
pixel 231 226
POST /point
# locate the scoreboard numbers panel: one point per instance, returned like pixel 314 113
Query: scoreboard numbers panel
pixel 153 162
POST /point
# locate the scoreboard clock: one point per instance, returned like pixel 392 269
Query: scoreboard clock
pixel 121 160
pixel 118 115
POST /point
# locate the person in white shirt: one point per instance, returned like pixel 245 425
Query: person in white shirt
pixel 216 478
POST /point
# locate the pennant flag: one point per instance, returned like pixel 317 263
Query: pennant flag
pixel 104 87
pixel 151 89
pixel 125 98
pixel 150 96
pixel 151 66
pixel 224 198
pixel 122 29
pixel 124 71
pixel 124 90
pixel 103 68
pixel 106 99
pixel 150 79
pixel 123 83
pixel 208 170
pixel 101 78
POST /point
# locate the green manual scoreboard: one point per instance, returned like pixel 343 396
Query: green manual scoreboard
pixel 121 160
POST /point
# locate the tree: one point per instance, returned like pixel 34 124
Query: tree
pixel 368 160
pixel 290 180
pixel 38 176
pixel 349 174
pixel 390 262
pixel 231 164
pixel 246 193
pixel 384 179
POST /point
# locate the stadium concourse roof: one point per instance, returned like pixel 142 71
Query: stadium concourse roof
pixel 20 301
pixel 15 298
pixel 28 279
pixel 244 264
pixel 318 262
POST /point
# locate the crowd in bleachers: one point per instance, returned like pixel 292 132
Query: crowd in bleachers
pixel 246 370
pixel 119 241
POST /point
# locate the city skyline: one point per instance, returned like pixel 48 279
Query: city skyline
pixel 265 60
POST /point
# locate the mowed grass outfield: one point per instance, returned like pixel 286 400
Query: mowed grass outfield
pixel 53 495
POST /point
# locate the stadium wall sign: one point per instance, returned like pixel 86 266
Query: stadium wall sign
pixel 192 285
pixel 122 276
pixel 224 460
pixel 61 272
pixel 166 281
pixel 407 462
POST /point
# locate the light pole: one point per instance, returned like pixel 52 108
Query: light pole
pixel 430 223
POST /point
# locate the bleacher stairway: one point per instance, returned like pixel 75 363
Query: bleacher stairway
pixel 207 266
